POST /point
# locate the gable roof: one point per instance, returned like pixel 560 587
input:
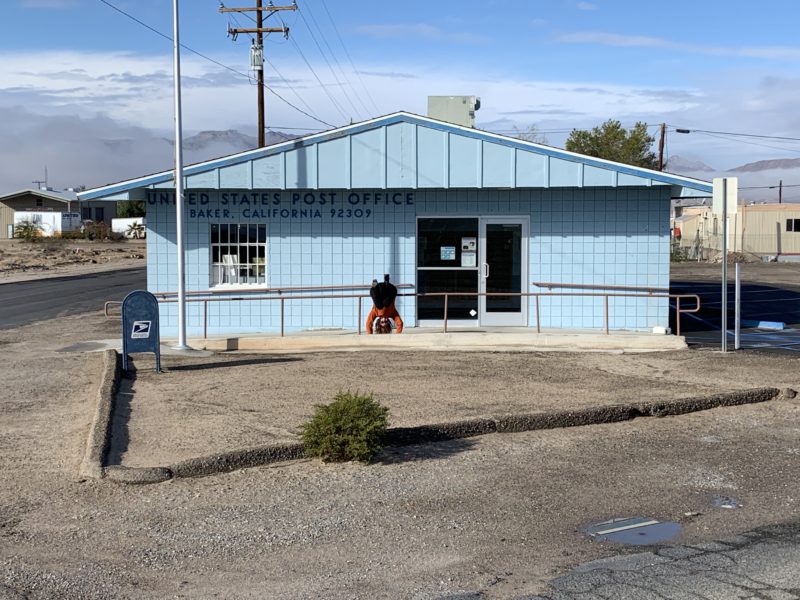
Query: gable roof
pixel 403 150
pixel 65 196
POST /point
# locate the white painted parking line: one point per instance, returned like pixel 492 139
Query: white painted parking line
pixel 626 527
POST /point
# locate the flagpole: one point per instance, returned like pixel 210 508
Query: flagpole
pixel 176 74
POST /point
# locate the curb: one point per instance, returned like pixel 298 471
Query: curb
pixel 237 459
pixel 423 434
pixel 100 429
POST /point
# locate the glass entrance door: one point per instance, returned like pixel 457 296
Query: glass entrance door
pixel 503 270
pixel 447 261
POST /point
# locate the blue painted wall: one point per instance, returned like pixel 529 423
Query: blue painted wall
pixel 603 236
pixel 404 151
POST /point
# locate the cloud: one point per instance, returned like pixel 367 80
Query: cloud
pixel 586 6
pixel 95 118
pixel 614 39
pixel 76 149
pixel 424 31
pixel 48 3
pixel 542 111
pixel 603 38
pixel 389 74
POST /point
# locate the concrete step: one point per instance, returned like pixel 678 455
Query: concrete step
pixel 461 341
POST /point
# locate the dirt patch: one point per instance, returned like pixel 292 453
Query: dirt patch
pixel 497 515
pixel 20 261
pixel 232 401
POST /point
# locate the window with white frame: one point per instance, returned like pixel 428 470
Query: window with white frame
pixel 793 225
pixel 238 254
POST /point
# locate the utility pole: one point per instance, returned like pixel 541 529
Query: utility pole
pixel 39 182
pixel 257 50
pixel 780 192
pixel 661 141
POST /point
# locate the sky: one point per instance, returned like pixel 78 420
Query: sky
pixel 87 91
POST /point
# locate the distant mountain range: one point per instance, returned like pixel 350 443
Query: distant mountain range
pixel 768 165
pixel 680 164
pixel 230 137
pixel 199 147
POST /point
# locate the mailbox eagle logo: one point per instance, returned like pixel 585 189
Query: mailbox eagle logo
pixel 141 329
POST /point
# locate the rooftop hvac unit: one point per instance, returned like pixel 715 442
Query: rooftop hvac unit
pixel 459 110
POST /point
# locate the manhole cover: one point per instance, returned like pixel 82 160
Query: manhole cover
pixel 634 530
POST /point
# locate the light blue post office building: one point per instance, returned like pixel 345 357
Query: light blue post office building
pixel 441 207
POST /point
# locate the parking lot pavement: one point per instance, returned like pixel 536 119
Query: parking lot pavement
pixel 30 301
pixel 756 564
pixel 770 292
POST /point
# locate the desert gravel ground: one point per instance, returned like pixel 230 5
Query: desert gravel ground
pixel 499 515
pixel 25 261
pixel 230 401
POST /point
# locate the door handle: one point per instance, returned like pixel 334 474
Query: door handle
pixel 486 270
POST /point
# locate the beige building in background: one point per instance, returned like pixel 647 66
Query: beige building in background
pixel 756 229
pixel 50 200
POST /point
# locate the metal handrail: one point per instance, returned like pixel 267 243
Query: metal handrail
pixel 278 290
pixel 594 286
pixel 446 295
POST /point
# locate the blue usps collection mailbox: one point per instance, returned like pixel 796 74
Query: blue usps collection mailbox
pixel 140 331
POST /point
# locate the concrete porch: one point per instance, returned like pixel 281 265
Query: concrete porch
pixel 484 339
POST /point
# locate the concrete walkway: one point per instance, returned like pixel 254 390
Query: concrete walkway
pixel 462 340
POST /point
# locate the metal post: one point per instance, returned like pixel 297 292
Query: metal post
pixel 446 296
pixel 538 322
pixel 605 305
pixel 283 301
pixel 678 315
pixel 176 75
pixel 725 265
pixel 205 319
pixel 260 77
pixel 738 309
pixel 358 317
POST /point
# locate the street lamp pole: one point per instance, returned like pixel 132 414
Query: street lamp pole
pixel 176 74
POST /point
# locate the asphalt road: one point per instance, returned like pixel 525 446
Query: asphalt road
pixel 758 564
pixel 29 301
pixel 759 303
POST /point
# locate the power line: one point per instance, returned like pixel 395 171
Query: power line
pixel 720 137
pixel 350 58
pixel 257 50
pixel 322 85
pixel 769 187
pixel 308 64
pixel 561 130
pixel 293 128
pixel 289 85
pixel 274 68
pixel 730 133
pixel 335 59
pixel 216 62
pixel 330 67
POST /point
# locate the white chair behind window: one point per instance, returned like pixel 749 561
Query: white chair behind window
pixel 230 269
